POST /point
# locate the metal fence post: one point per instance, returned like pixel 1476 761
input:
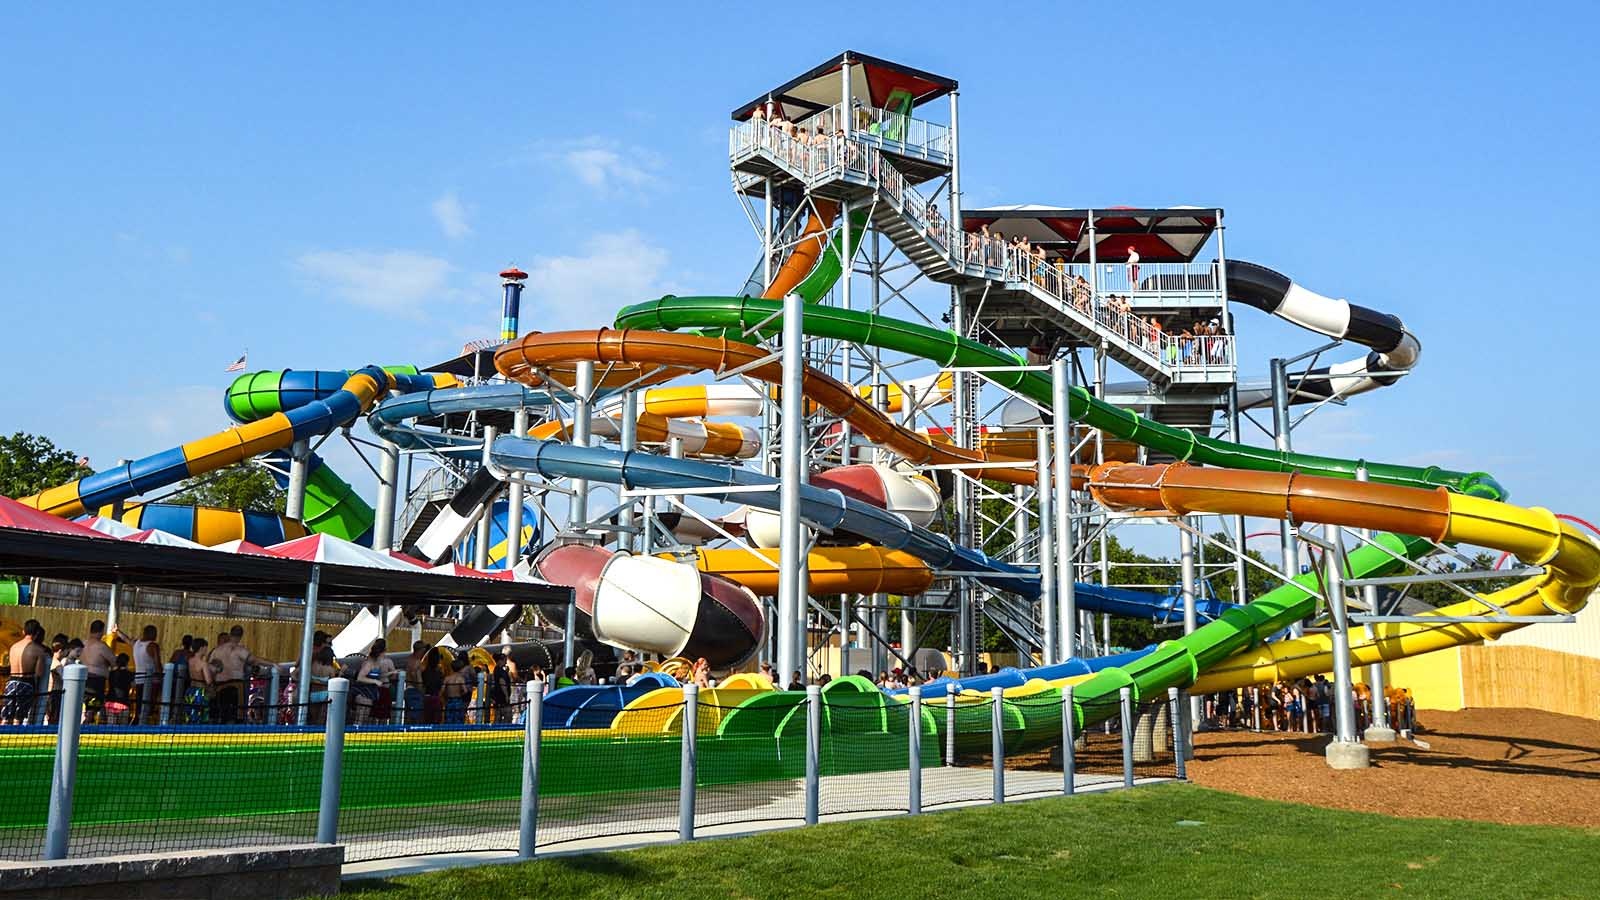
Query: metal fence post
pixel 1126 696
pixel 813 751
pixel 1188 724
pixel 914 752
pixel 950 724
pixel 275 685
pixel 1069 737
pixel 686 767
pixel 64 774
pixel 333 761
pixel 997 740
pixel 169 682
pixel 397 706
pixel 532 724
pixel 1179 739
pixel 483 698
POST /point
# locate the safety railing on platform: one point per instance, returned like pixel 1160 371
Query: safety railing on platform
pixel 548 773
pixel 892 131
pixel 992 257
pixel 1171 283
pixel 817 155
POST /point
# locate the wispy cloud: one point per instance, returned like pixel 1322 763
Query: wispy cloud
pixel 603 164
pixel 451 215
pixel 613 269
pixel 397 281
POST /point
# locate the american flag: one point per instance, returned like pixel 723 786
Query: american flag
pixel 238 364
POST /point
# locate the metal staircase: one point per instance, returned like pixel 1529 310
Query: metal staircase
pixel 860 172
pixel 423 503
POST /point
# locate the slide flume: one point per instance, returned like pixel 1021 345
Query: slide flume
pixel 1180 662
pixel 276 409
pixel 739 315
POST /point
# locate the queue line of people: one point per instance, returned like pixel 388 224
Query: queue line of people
pixel 1303 705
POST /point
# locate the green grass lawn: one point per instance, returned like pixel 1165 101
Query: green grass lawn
pixel 1172 840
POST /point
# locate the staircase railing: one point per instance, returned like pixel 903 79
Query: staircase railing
pixel 438 482
pixel 814 160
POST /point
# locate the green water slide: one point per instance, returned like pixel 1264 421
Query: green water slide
pixel 829 266
pixel 332 505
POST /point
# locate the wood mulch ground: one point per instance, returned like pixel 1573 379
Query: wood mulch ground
pixel 1517 766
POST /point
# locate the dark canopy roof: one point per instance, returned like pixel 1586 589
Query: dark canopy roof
pixel 872 80
pixel 1174 234
pixel 78 557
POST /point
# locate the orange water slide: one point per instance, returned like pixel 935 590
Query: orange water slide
pixel 520 359
pixel 1570 559
pixel 803 258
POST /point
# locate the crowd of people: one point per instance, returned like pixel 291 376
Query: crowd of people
pixel 811 146
pixel 1304 705
pixel 212 683
pixel 1197 343
pixel 228 684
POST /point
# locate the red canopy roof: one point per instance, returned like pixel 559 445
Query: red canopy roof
pixel 19 515
pixel 872 81
pixel 1174 234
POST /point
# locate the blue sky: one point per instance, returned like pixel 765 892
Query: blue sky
pixel 332 187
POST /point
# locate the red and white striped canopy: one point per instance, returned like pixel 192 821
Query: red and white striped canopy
pixel 328 549
pixel 18 515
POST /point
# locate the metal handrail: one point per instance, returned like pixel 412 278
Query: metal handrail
pixel 1068 288
pixel 436 481
pixel 984 256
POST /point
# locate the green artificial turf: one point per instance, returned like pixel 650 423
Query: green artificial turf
pixel 1172 840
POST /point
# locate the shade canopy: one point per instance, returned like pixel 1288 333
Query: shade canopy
pixel 153 536
pixel 35 544
pixel 242 546
pixel 110 526
pixel 873 82
pixel 325 548
pixel 1172 234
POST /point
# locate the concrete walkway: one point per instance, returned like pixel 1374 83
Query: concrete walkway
pixel 569 825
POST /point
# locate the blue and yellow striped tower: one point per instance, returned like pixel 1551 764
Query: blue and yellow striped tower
pixel 513 279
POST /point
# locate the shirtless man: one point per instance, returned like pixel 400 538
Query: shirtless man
pixel 227 691
pixel 233 660
pixel 455 693
pixel 413 695
pixel 98 658
pixel 30 665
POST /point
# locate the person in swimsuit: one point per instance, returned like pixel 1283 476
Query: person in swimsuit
pixel 119 690
pixel 197 699
pixel 146 674
pixel 413 695
pixel 98 658
pixel 373 699
pixel 455 692
pixel 431 680
pixel 30 664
